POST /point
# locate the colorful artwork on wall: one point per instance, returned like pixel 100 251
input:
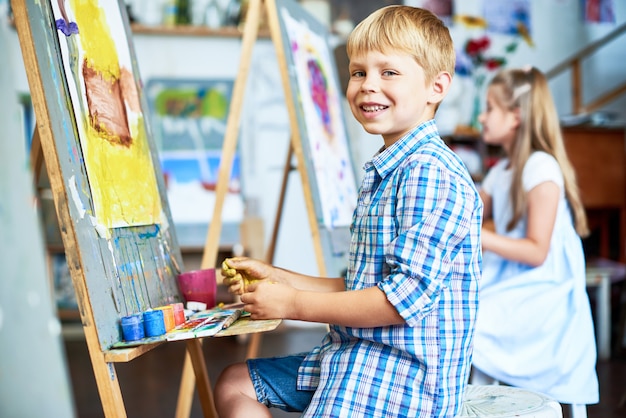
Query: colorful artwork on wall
pixel 444 9
pixel 109 120
pixel 599 11
pixel 508 17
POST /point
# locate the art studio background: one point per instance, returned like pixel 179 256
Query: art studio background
pixel 188 77
pixel 199 62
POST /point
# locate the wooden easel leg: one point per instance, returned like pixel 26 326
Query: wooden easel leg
pixel 106 377
pixel 253 345
pixel 209 258
pixel 194 370
pixel 250 34
pixel 255 339
pixel 36 156
pixel 194 348
pixel 186 390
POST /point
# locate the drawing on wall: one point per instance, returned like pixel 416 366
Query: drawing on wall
pixel 444 9
pixel 510 17
pixel 354 11
pixel 189 122
pixel 599 11
pixel 325 130
pixel 110 122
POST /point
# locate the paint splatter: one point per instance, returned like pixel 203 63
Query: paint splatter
pixel 68 28
pixel 319 94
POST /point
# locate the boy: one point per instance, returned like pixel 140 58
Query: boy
pixel 402 321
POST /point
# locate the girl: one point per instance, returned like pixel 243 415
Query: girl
pixel 534 328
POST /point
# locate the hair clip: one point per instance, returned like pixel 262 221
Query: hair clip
pixel 524 88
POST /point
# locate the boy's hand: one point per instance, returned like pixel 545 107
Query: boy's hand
pixel 239 272
pixel 270 300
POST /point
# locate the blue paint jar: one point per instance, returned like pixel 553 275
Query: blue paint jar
pixel 132 327
pixel 153 323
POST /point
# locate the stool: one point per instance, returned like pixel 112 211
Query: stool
pixel 600 274
pixel 600 278
pixel 494 401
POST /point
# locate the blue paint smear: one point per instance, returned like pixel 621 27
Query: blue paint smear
pixel 150 234
pixel 68 28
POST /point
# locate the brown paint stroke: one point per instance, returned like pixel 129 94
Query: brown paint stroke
pixel 107 112
pixel 129 90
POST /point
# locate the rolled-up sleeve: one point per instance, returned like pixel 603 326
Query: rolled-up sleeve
pixel 432 221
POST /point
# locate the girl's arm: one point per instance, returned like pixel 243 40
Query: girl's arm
pixel 487 211
pixel 543 201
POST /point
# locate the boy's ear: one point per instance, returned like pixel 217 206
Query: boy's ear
pixel 440 87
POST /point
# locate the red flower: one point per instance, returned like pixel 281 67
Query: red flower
pixel 475 47
pixel 494 63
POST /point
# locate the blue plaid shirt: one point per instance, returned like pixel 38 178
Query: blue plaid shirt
pixel 415 235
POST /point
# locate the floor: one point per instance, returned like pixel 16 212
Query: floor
pixel 150 383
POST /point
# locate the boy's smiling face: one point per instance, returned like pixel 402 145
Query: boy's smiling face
pixel 388 94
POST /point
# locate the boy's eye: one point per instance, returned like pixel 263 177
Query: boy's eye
pixel 389 73
pixel 358 74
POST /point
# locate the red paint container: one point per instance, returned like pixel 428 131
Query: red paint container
pixel 198 286
pixel 179 313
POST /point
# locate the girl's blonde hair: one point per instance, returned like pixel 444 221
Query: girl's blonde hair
pixel 539 130
pixel 411 30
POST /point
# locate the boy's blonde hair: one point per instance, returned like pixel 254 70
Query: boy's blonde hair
pixel 539 130
pixel 411 30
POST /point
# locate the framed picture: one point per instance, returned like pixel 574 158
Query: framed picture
pixel 189 121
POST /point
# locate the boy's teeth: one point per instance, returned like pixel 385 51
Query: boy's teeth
pixel 373 108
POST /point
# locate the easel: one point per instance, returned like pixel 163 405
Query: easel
pixel 250 34
pixel 44 148
pixel 249 37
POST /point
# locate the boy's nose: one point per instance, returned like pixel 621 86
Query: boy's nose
pixel 369 84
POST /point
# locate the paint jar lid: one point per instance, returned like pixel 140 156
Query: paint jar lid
pixel 154 323
pixel 133 319
pixel 132 327
pixel 153 315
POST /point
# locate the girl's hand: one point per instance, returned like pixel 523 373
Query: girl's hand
pixel 239 272
pixel 270 300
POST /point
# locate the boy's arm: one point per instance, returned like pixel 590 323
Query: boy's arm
pixel 359 308
pixel 239 272
pixel 310 283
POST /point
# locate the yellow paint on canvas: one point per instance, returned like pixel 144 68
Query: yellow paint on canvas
pixel 122 178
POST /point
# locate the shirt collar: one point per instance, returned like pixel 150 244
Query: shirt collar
pixel 387 159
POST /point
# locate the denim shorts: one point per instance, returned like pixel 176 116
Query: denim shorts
pixel 274 381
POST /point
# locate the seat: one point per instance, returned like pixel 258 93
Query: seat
pixel 505 401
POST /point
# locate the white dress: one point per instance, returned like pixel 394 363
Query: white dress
pixel 534 328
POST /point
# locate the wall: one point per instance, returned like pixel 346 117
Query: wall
pixel 556 28
pixel 34 379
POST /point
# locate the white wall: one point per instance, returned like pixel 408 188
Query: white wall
pixel 557 30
